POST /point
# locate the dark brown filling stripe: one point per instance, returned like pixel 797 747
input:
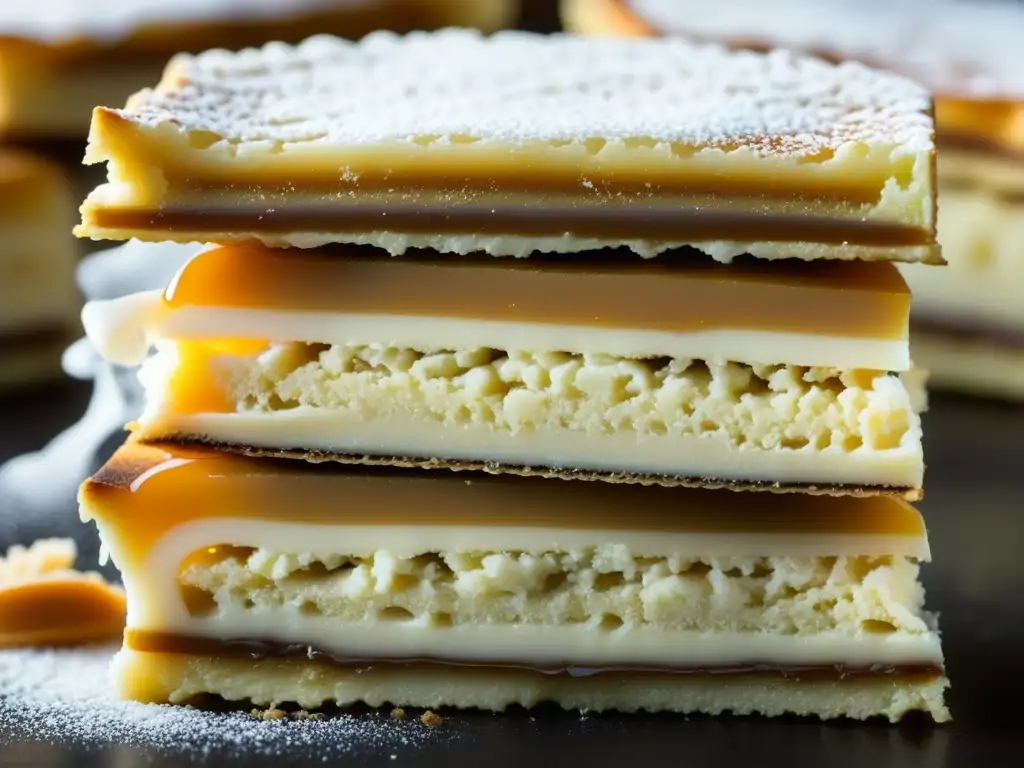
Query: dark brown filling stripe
pixel 260 650
pixel 671 223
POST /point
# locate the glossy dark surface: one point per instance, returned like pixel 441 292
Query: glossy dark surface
pixel 974 507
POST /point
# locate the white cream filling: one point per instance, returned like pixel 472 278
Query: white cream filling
pixel 403 435
pixel 155 604
pixel 124 329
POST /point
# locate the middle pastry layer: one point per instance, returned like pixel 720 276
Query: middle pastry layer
pixel 674 373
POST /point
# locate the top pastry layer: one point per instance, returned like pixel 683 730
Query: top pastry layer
pixel 543 143
pixel 968 53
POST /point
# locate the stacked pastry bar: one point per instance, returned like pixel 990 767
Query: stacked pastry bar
pixel 968 323
pixel 60 58
pixel 697 462
pixel 39 304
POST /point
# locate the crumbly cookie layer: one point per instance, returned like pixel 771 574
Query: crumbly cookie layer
pixel 491 405
pixel 607 586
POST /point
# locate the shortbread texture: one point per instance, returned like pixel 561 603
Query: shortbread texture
pixel 768 407
pixel 605 587
pixel 180 678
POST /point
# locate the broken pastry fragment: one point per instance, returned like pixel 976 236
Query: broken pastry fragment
pixel 44 601
pixel 59 59
pixel 284 583
pixel 546 144
pixel 968 321
pixel 679 371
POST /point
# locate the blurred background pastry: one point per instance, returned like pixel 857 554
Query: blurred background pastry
pixel 39 303
pixel 61 58
pixel 968 321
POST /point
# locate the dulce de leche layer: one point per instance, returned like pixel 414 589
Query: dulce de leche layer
pixel 967 54
pixel 592 290
pixel 144 491
pixel 545 144
pixel 846 315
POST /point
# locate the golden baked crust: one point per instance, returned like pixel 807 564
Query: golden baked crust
pixel 528 156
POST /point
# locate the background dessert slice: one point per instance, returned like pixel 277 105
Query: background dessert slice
pixel 512 588
pixel 667 372
pixel 546 144
pixel 44 601
pixel 60 59
pixel 39 303
pixel 967 319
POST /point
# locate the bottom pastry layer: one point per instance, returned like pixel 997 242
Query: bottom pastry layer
pixel 183 678
pixel 969 365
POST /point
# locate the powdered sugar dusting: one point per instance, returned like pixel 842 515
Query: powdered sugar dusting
pixel 62 695
pixel 973 48
pixel 518 87
pixel 108 21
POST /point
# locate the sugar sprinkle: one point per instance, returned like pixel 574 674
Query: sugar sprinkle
pixel 63 696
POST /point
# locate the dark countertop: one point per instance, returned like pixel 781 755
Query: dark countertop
pixel 973 505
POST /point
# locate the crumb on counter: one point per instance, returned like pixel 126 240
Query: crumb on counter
pixel 431 719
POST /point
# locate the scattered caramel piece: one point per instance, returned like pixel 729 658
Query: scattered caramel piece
pixel 397 713
pixel 430 719
pixel 44 601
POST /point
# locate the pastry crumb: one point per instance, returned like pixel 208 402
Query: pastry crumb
pixel 304 715
pixel 268 714
pixel 397 713
pixel 431 719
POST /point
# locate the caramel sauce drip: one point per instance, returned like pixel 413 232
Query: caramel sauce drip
pixel 60 611
pixel 258 650
pixel 145 490
pixel 686 295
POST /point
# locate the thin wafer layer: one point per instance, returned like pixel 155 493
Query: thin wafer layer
pixel 246 559
pixel 546 147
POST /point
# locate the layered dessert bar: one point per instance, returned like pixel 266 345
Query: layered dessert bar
pixel 39 303
pixel 283 582
pixel 679 370
pixel 968 321
pixel 544 144
pixel 45 601
pixel 60 58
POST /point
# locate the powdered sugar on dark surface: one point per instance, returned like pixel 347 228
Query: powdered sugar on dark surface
pixel 62 696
